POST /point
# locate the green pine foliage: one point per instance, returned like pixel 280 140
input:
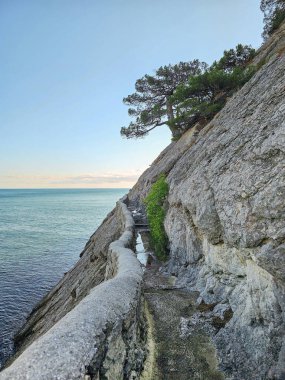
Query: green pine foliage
pixel 182 95
pixel 276 21
pixel 274 15
pixel 205 94
pixel 156 214
pixel 150 105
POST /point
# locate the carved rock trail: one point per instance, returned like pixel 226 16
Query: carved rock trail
pixel 178 354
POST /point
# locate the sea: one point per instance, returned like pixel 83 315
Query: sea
pixel 42 233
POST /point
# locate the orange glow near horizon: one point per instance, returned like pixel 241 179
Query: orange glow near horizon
pixel 80 181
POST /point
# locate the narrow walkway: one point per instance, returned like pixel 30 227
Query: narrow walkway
pixel 176 353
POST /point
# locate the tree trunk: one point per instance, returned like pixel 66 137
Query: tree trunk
pixel 169 110
pixel 170 118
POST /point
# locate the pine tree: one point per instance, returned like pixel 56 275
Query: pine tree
pixel 151 104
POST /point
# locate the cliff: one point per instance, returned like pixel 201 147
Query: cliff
pixel 226 227
pixel 226 217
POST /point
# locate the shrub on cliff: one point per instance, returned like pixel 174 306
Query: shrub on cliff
pixel 233 58
pixel 274 15
pixel 156 214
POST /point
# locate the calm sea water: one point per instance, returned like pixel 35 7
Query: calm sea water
pixel 42 233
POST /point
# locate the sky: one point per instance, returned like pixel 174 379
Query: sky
pixel 66 65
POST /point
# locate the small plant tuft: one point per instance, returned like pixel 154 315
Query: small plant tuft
pixel 156 214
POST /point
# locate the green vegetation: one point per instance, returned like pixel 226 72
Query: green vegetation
pixel 274 15
pixel 156 214
pixel 150 104
pixel 204 95
pixel 188 93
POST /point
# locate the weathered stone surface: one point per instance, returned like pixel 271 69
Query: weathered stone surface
pixel 75 285
pixel 163 164
pixel 177 354
pixel 274 45
pixel 226 217
pixel 101 337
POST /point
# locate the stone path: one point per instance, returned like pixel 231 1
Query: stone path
pixel 177 355
pixel 174 353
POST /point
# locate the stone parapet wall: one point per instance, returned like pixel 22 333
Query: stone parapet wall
pixel 103 336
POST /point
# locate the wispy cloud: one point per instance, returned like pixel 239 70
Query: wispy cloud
pixel 79 180
pixel 97 179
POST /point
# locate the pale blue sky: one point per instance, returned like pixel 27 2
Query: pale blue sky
pixel 67 64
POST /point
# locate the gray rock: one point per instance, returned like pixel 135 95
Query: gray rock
pixel 226 217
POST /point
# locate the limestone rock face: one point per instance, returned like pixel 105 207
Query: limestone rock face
pixel 226 217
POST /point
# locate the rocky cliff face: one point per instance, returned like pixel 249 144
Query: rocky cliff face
pixel 226 218
pixel 226 226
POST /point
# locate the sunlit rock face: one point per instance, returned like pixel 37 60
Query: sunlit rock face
pixel 226 217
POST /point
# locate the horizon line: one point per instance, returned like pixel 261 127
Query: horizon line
pixel 64 188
